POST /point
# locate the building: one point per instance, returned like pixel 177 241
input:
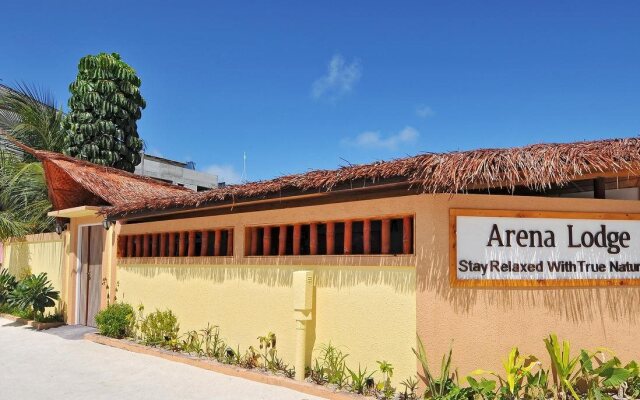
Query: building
pixel 486 249
pixel 175 172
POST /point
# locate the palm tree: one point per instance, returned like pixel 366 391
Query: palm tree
pixel 30 116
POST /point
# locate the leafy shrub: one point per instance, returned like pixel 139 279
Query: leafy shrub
pixel 34 292
pixel 7 285
pixel 160 328
pixel 116 320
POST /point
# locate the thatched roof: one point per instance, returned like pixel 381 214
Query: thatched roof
pixel 72 182
pixel 536 167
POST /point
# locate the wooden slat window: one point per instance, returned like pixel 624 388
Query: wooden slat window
pixel 195 243
pixel 391 235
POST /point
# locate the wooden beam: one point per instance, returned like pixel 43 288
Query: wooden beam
pixel 297 238
pixel 407 235
pixel 313 238
pixel 282 241
pixel 229 242
pixel 331 238
pixel 217 242
pixel 204 244
pixel 386 236
pixel 172 245
pixel 192 244
pixel 348 237
pixel 366 236
pixel 266 241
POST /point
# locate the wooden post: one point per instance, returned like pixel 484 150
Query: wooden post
pixel 313 238
pixel 254 241
pixel 407 235
pixel 154 245
pixel 204 244
pixel 139 240
pixel 229 242
pixel 297 238
pixel 129 245
pixel 348 237
pixel 192 244
pixel 599 189
pixel 282 241
pixel 217 242
pixel 182 244
pixel 145 244
pixel 163 245
pixel 172 245
pixel 366 236
pixel 386 236
pixel 331 239
pixel 122 246
pixel 266 240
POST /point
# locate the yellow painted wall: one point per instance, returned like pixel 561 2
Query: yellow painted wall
pixel 363 305
pixel 36 254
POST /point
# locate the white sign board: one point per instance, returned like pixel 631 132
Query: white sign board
pixel 502 248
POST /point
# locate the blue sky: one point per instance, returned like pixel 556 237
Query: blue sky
pixel 301 85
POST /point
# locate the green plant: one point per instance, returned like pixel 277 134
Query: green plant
pixel 160 328
pixel 517 368
pixel 214 346
pixel 333 364
pixel 104 106
pixel 482 389
pixel 35 292
pixel 116 320
pixel 192 343
pixel 563 366
pixel 385 386
pixel 359 380
pixel 410 388
pixel 437 387
pixel 7 285
pixel 317 373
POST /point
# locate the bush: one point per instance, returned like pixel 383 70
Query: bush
pixel 116 320
pixel 160 328
pixel 7 285
pixel 34 292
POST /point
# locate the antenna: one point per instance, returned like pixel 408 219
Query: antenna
pixel 243 178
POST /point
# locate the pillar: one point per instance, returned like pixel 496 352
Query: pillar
pixel 348 237
pixel 331 238
pixel 282 241
pixel 366 236
pixel 217 242
pixel 266 241
pixel 297 237
pixel 192 244
pixel 313 238
pixel 204 244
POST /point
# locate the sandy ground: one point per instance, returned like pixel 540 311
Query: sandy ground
pixel 59 364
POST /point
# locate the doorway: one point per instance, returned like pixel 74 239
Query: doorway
pixel 89 284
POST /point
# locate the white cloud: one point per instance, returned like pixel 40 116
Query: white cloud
pixel 339 80
pixel 226 173
pixel 373 139
pixel 424 111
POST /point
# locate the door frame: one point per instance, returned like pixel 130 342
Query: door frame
pixel 79 269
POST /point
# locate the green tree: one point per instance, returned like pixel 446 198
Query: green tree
pixel 104 106
pixel 30 116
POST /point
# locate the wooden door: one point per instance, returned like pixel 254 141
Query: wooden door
pixel 90 274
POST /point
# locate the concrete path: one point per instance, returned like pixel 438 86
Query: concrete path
pixel 59 364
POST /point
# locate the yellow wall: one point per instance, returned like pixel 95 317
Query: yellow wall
pixel 36 254
pixel 363 305
pixel 483 324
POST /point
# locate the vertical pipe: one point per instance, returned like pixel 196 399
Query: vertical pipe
pixel 266 241
pixel 217 242
pixel 163 245
pixel 182 244
pixel 204 244
pixel 386 236
pixel 331 238
pixel 301 349
pixel 348 237
pixel 129 245
pixel 313 238
pixel 154 245
pixel 282 241
pixel 145 244
pixel 192 244
pixel 407 235
pixel 254 241
pixel 172 245
pixel 297 238
pixel 229 242
pixel 366 236
pixel 139 240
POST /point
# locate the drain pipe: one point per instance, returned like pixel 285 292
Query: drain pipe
pixel 302 307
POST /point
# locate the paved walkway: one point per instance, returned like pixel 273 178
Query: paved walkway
pixel 59 364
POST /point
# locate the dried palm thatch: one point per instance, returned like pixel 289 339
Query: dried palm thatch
pixel 536 167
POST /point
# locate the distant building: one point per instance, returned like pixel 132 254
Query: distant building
pixel 175 172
